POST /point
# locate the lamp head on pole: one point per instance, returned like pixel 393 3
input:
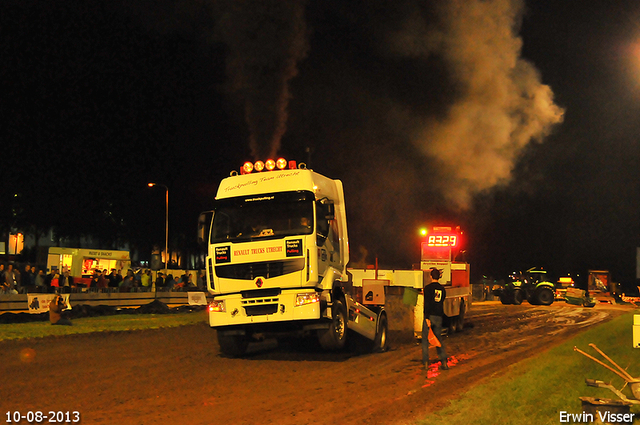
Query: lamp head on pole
pixel 158 184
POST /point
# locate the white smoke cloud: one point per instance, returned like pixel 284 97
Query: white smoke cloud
pixel 500 104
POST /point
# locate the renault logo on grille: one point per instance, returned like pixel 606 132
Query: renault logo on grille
pixel 259 282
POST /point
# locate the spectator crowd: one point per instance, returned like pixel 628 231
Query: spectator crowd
pixel 31 279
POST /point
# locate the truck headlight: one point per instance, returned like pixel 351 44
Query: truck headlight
pixel 307 298
pixel 217 306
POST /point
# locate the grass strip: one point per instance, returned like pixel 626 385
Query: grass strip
pixel 120 322
pixel 537 389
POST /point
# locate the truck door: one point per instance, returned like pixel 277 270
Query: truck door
pixel 328 238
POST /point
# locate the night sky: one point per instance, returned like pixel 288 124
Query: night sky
pixel 518 122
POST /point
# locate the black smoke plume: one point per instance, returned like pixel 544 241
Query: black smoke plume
pixel 266 40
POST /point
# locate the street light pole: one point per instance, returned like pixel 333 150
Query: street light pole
pixel 166 230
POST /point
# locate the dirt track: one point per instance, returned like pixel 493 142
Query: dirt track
pixel 177 376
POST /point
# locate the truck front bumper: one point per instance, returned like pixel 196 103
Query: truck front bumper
pixel 290 305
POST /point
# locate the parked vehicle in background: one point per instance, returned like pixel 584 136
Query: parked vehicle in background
pixel 564 283
pixel 533 285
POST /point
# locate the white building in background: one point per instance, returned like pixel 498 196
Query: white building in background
pixel 17 242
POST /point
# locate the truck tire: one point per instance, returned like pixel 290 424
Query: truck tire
pixel 460 318
pixel 517 297
pixel 452 326
pixel 503 299
pixel 232 345
pixel 544 296
pixel 380 344
pixel 335 337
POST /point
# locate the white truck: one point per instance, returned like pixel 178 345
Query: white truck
pixel 277 252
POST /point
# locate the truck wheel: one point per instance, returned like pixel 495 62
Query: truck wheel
pixel 517 297
pixel 453 325
pixel 544 296
pixel 460 318
pixel 380 344
pixel 232 345
pixel 503 299
pixel 335 337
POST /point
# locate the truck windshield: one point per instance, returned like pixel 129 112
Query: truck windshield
pixel 271 218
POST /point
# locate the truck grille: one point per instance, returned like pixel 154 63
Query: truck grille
pixel 259 302
pixel 261 293
pixel 266 269
pixel 261 310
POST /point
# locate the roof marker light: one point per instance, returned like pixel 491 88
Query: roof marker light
pixel 270 164
pixel 247 168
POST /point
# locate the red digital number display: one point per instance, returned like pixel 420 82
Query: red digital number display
pixel 442 240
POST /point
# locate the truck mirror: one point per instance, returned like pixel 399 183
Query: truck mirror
pixel 326 211
pixel 330 211
pixel 322 231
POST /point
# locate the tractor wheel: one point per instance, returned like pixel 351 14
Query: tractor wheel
pixel 544 296
pixel 517 297
pixel 335 337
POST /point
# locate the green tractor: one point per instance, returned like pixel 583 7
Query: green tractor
pixel 532 285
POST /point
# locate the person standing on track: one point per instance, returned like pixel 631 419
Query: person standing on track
pixel 434 296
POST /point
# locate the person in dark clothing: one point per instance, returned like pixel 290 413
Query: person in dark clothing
pixel 434 296
pixel 66 282
pixel 169 283
pixel 47 281
pixel 111 279
pixel 159 281
pixel 119 278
